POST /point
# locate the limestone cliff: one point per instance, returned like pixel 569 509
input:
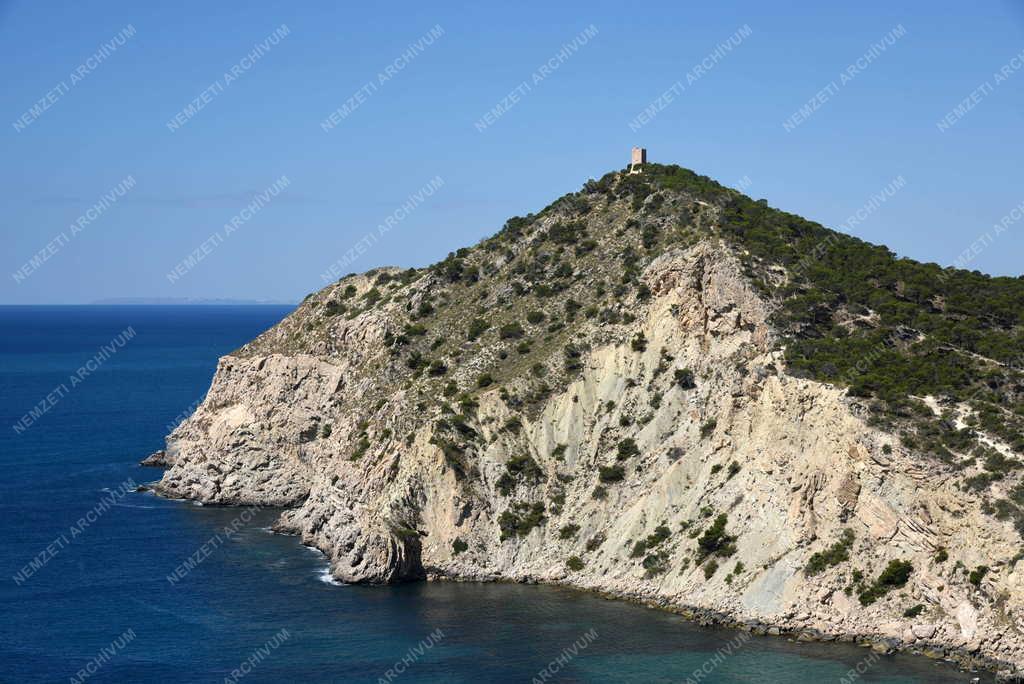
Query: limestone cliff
pixel 567 403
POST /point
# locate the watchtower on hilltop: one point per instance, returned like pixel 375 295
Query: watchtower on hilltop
pixel 637 159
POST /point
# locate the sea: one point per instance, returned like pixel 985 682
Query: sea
pixel 101 583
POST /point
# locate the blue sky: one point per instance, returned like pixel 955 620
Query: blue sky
pixel 418 124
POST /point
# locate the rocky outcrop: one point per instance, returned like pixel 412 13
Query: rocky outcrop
pixel 255 437
pixel 157 459
pixel 393 482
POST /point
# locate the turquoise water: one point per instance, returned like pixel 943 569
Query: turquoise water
pixel 256 604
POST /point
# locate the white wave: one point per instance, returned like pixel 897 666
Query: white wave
pixel 326 577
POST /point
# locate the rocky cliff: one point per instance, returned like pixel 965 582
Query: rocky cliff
pixel 601 396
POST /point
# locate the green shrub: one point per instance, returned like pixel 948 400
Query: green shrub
pixel 477 327
pixel 484 380
pixel 639 343
pixel 573 358
pixel 833 555
pixel 708 428
pixel 534 317
pixel 660 534
pixel 684 378
pixel 333 308
pixel 615 473
pixel 715 540
pixel 437 368
pixel 518 469
pixel 524 467
pixel 977 575
pixel 361 448
pixel 403 532
pixel 520 519
pixel 655 564
pixel 567 233
pixel 895 575
pixel 568 531
pixel 325 431
pixel 454 457
pixel 914 611
pixel 710 568
pixel 415 360
pixel 505 484
pixel 627 448
pixel 574 563
pixel 458 546
pixel 941 555
pixel 734 468
pixel 511 330
pixel 571 307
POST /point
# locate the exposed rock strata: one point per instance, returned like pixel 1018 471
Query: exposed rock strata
pixel 806 468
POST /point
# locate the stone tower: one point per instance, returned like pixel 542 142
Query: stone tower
pixel 637 159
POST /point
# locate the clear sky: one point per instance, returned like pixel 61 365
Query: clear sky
pixel 108 120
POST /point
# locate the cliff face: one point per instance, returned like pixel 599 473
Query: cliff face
pixel 649 445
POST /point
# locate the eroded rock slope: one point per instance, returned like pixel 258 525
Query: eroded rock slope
pixel 565 403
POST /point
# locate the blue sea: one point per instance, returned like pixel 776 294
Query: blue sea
pixel 84 560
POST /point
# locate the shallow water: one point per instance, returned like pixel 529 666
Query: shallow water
pixel 227 612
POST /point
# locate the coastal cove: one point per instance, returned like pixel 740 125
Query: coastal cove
pixel 208 593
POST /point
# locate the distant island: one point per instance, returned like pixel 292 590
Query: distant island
pixel 191 301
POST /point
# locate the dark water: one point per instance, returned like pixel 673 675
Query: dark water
pixel 99 600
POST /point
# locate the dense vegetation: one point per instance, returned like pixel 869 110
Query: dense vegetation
pixel 886 327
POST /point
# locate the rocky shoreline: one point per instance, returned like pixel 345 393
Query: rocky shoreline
pixel 157 459
pixel 792 629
